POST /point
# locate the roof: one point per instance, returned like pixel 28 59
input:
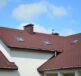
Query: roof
pixel 69 58
pixel 31 41
pixel 5 64
pixel 69 46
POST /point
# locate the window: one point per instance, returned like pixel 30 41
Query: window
pixel 18 38
pixel 47 42
pixel 76 40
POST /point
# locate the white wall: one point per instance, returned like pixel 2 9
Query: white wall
pixel 27 61
pixel 9 73
pixel 5 50
pixel 73 72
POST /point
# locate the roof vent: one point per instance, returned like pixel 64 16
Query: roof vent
pixel 20 39
pixel 76 40
pixel 47 42
pixel 29 28
pixel 55 34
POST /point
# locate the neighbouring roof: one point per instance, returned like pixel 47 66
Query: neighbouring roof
pixel 69 58
pixel 5 64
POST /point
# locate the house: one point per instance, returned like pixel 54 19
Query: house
pixel 29 53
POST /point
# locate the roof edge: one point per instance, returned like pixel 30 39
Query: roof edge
pixel 36 49
pixel 71 67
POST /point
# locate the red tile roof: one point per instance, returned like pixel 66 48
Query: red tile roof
pixel 69 58
pixel 31 41
pixel 5 64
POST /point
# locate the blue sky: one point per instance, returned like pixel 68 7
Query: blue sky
pixel 61 15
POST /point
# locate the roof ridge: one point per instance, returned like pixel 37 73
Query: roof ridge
pixel 10 28
pixel 73 35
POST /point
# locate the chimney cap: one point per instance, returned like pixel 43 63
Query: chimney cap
pixel 29 25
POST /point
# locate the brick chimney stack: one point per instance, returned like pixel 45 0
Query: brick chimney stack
pixel 29 28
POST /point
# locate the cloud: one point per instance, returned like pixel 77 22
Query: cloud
pixel 30 11
pixel 37 28
pixel 42 29
pixel 3 3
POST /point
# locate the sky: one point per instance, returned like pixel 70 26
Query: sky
pixel 64 16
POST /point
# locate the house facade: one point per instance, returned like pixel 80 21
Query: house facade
pixel 25 52
pixel 27 61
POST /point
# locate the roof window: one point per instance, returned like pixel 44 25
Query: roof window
pixel 18 38
pixel 47 42
pixel 76 40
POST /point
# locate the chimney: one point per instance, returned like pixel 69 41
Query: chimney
pixel 29 28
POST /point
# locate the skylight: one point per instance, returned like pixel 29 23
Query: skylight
pixel 76 40
pixel 47 42
pixel 18 38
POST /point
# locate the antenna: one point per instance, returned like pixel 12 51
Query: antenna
pixel 52 31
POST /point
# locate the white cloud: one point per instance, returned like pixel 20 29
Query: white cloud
pixel 29 11
pixel 26 12
pixel 3 3
pixel 42 29
pixel 37 28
